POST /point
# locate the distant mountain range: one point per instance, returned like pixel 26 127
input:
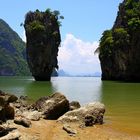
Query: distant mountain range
pixel 12 52
pixel 65 74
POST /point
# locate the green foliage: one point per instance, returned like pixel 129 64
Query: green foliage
pixel 56 14
pixel 134 24
pixel 106 43
pixel 36 27
pixel 12 52
pixel 48 11
pixel 120 37
pixel 129 22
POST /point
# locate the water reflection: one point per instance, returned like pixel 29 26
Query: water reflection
pixel 35 89
pixel 121 95
pixel 82 89
pixel 122 101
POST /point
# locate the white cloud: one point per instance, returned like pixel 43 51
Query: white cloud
pixel 77 57
pixel 24 36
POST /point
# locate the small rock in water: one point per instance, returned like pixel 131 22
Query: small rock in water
pixel 74 105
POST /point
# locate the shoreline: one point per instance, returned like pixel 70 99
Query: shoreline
pixel 44 120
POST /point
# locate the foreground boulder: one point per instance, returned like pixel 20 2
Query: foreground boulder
pixel 96 110
pixel 22 121
pixel 6 111
pixel 52 106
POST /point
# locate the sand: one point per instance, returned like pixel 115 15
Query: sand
pixel 52 130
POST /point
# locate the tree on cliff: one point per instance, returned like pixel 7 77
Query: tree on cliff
pixel 119 50
pixel 43 40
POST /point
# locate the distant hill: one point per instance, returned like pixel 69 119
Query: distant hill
pixel 62 73
pixel 12 52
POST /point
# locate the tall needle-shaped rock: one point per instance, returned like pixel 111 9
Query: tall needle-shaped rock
pixel 43 40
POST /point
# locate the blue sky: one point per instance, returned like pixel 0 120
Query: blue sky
pixel 84 22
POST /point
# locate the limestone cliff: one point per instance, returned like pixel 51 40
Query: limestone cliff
pixel 120 47
pixel 43 40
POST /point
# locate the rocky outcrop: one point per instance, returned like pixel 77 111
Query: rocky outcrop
pixel 96 110
pixel 6 111
pixel 52 106
pixel 43 40
pixel 120 46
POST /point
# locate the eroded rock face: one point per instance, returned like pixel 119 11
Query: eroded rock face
pixel 120 46
pixel 43 40
pixel 52 106
pixel 96 110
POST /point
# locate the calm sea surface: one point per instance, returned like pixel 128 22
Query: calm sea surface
pixel 122 100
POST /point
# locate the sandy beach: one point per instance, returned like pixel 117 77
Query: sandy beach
pixel 52 130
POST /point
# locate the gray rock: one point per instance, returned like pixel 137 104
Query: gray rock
pixel 95 109
pixel 68 129
pixel 22 121
pixel 52 106
pixel 32 115
pixel 74 105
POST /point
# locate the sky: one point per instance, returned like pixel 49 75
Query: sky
pixel 82 27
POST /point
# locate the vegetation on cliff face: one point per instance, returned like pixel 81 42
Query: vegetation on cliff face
pixel 12 52
pixel 43 40
pixel 120 47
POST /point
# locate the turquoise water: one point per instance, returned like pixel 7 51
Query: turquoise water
pixel 122 100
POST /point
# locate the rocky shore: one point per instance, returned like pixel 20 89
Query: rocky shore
pixel 18 116
pixel 55 118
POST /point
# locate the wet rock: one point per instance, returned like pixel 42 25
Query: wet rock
pixel 23 97
pixel 52 106
pixel 22 121
pixel 96 109
pixel 68 129
pixel 74 105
